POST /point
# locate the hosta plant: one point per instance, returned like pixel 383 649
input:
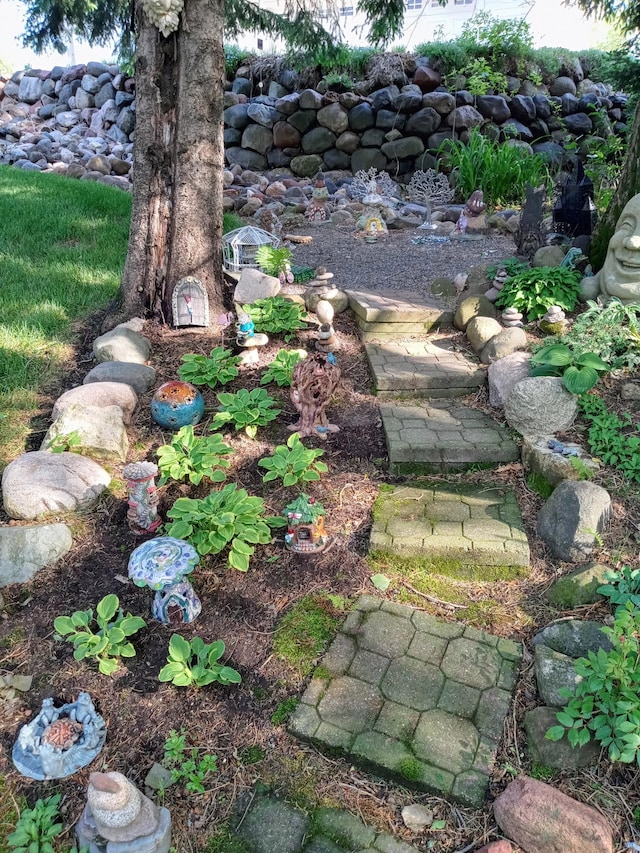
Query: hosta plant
pixel 534 291
pixel 227 518
pixel 246 410
pixel 579 372
pixel 37 827
pixel 293 463
pixel 280 370
pixel 109 642
pixel 193 457
pixel 604 704
pixel 218 368
pixel 194 663
pixel 276 316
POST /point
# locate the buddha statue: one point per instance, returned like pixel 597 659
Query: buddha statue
pixel 620 274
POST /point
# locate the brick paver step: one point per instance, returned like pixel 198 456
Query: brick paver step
pixel 426 368
pixel 425 437
pixel 464 526
pixel 412 697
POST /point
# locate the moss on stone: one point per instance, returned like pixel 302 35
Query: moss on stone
pixel 453 567
pixel 411 769
pixel 539 484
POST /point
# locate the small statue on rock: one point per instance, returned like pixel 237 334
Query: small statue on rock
pixel 312 386
pixel 554 321
pixel 475 204
pixel 318 210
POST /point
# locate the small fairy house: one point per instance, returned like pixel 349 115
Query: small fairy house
pixel 189 303
pixel 239 247
pixel 305 526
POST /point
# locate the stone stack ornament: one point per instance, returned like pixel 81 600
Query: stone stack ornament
pixel 511 318
pixel 120 819
pixel 498 283
pixel 327 340
pixel 554 321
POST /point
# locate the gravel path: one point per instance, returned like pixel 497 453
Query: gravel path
pixel 394 263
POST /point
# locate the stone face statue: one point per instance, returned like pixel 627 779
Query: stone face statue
pixel 620 275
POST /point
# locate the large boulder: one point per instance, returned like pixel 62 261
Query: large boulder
pixel 100 431
pixel 541 819
pixel 571 519
pixel 470 307
pixel 254 284
pixel 540 405
pixel 504 374
pixel 140 377
pixel 540 458
pixel 99 394
pixel 578 587
pixel 505 343
pixel 480 330
pixel 39 482
pixel 573 637
pixel 24 550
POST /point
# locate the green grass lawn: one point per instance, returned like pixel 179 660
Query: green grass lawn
pixel 62 249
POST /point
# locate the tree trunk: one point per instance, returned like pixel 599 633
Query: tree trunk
pixel 176 220
pixel 628 186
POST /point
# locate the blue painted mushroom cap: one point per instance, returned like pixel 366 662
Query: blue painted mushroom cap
pixel 162 562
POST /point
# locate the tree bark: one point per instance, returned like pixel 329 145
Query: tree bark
pixel 628 186
pixel 176 220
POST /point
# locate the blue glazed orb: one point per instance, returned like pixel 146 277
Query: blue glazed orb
pixel 176 404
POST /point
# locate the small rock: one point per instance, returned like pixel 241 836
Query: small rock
pixel 417 817
pixel 572 517
pixel 324 311
pixel 480 330
pixel 25 550
pixel 470 307
pixel 122 344
pixel 100 431
pixel 559 754
pixel 501 846
pixel 578 587
pixel 505 343
pixel 254 284
pixel 573 637
pixel 141 377
pixel 630 391
pixel 554 672
pixel 99 394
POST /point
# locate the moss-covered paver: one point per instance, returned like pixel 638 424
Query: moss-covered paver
pixel 389 316
pixel 412 697
pixel 457 528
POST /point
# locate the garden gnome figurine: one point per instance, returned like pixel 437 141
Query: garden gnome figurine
pixel 620 274
pixel 119 819
pixel 142 514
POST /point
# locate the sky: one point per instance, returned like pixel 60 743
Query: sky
pixel 553 25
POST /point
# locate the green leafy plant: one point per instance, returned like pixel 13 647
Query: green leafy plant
pixel 583 471
pixel 246 410
pixel 227 518
pixel 218 368
pixel 512 266
pixel 482 79
pixel 579 373
pixel 622 586
pixel 293 463
pixel 535 290
pixel 185 763
pixel 604 704
pixel 612 331
pixel 274 261
pixel 502 172
pixel 193 663
pixel 276 316
pixel 301 273
pixel 109 642
pixel 497 38
pixel 193 457
pixel 37 827
pixel 280 370
pixel 613 439
pixel 62 443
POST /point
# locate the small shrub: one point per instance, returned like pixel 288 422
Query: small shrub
pixel 482 79
pixel 293 463
pixel 246 410
pixel 604 704
pixel 227 518
pixel 622 586
pixel 498 39
pixel 280 370
pixel 303 633
pixel 185 763
pixel 276 315
pixel 37 827
pixel 218 368
pixel 193 663
pixel 109 642
pixel 579 373
pixel 535 290
pixel 230 222
pixel 193 457
pixel 611 331
pixel 612 439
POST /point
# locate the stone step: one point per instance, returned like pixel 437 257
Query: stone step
pixel 422 369
pixel 442 435
pixel 460 526
pixel 399 306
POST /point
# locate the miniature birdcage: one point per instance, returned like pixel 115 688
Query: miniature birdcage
pixel 239 247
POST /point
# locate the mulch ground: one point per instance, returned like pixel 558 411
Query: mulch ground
pixel 244 610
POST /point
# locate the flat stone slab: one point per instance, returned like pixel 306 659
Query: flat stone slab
pixel 442 435
pixel 458 527
pixel 395 306
pixel 422 369
pixel 413 698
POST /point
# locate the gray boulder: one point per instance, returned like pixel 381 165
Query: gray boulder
pixel 505 343
pixel 504 374
pixel 555 672
pixel 470 307
pixel 573 637
pixel 100 430
pixel 540 405
pixel 559 755
pixel 99 394
pixel 572 517
pixel 334 117
pixel 39 482
pixel 480 330
pixel 27 549
pixel 141 377
pixel 121 344
pixel 257 138
pixel 254 284
pixel 538 457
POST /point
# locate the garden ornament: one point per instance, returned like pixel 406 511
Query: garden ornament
pixel 164 14
pixel 529 237
pixel 189 303
pixel 312 386
pixel 59 741
pixel 142 514
pixel 162 564
pixel 554 321
pixel 118 818
pixel 475 205
pixel 305 526
pixel 245 328
pixel 620 274
pixel 318 211
pixel 176 404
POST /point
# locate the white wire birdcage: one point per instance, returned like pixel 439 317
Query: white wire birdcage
pixel 239 247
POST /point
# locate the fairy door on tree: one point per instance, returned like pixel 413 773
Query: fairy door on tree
pixel 190 306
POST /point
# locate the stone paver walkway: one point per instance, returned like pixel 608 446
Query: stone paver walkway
pixel 422 369
pixel 443 435
pixel 465 526
pixel 383 316
pixel 413 698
